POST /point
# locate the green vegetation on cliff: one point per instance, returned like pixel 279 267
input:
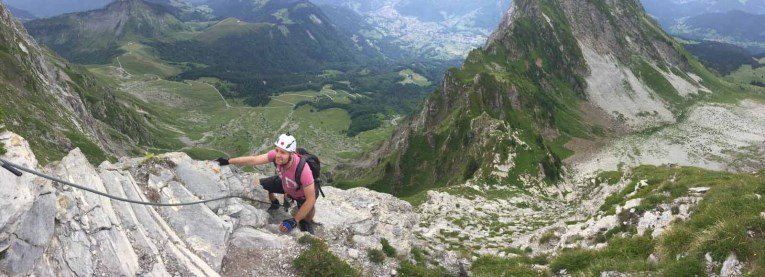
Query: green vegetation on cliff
pixel 530 88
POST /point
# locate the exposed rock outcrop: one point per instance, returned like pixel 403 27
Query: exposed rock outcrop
pixel 50 229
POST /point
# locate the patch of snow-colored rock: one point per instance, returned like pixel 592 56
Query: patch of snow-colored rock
pixel 620 93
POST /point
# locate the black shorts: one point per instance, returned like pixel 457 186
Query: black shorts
pixel 273 184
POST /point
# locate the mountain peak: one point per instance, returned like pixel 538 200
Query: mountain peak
pixel 93 36
pixel 553 71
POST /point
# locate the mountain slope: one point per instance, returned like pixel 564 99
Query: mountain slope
pixel 504 159
pixel 277 38
pixel 95 36
pixel 286 46
pixel 553 72
pixel 59 106
pixel 256 10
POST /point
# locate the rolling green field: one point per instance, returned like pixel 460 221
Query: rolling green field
pixel 138 59
pixel 410 77
pixel 746 74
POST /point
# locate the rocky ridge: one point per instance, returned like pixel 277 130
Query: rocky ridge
pixel 54 230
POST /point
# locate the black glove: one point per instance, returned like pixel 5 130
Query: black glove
pixel 222 161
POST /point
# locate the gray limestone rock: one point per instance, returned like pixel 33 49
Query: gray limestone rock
pixel 31 238
pixel 731 267
pixel 55 230
pixel 16 192
pixel 37 226
pixel 203 231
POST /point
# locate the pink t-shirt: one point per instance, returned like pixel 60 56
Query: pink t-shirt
pixel 289 182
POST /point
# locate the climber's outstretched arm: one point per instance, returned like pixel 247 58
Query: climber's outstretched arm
pixel 250 160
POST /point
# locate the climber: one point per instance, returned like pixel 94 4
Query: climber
pixel 287 163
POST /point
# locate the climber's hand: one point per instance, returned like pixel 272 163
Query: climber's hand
pixel 222 161
pixel 287 225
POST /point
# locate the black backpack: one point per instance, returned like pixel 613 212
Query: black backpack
pixel 313 163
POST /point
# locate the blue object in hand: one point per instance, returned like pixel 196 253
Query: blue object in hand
pixel 289 224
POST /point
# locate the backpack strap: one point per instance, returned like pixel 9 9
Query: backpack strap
pixel 299 172
pixel 318 183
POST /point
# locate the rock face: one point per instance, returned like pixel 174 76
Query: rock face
pixel 47 229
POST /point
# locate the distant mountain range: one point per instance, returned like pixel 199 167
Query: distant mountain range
pixel 22 15
pixel 48 8
pixel 386 27
pixel 275 46
pixel 276 38
pixel 51 8
pixel 735 27
pixel 669 11
pixel 727 21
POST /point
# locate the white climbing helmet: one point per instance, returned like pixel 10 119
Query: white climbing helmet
pixel 286 142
